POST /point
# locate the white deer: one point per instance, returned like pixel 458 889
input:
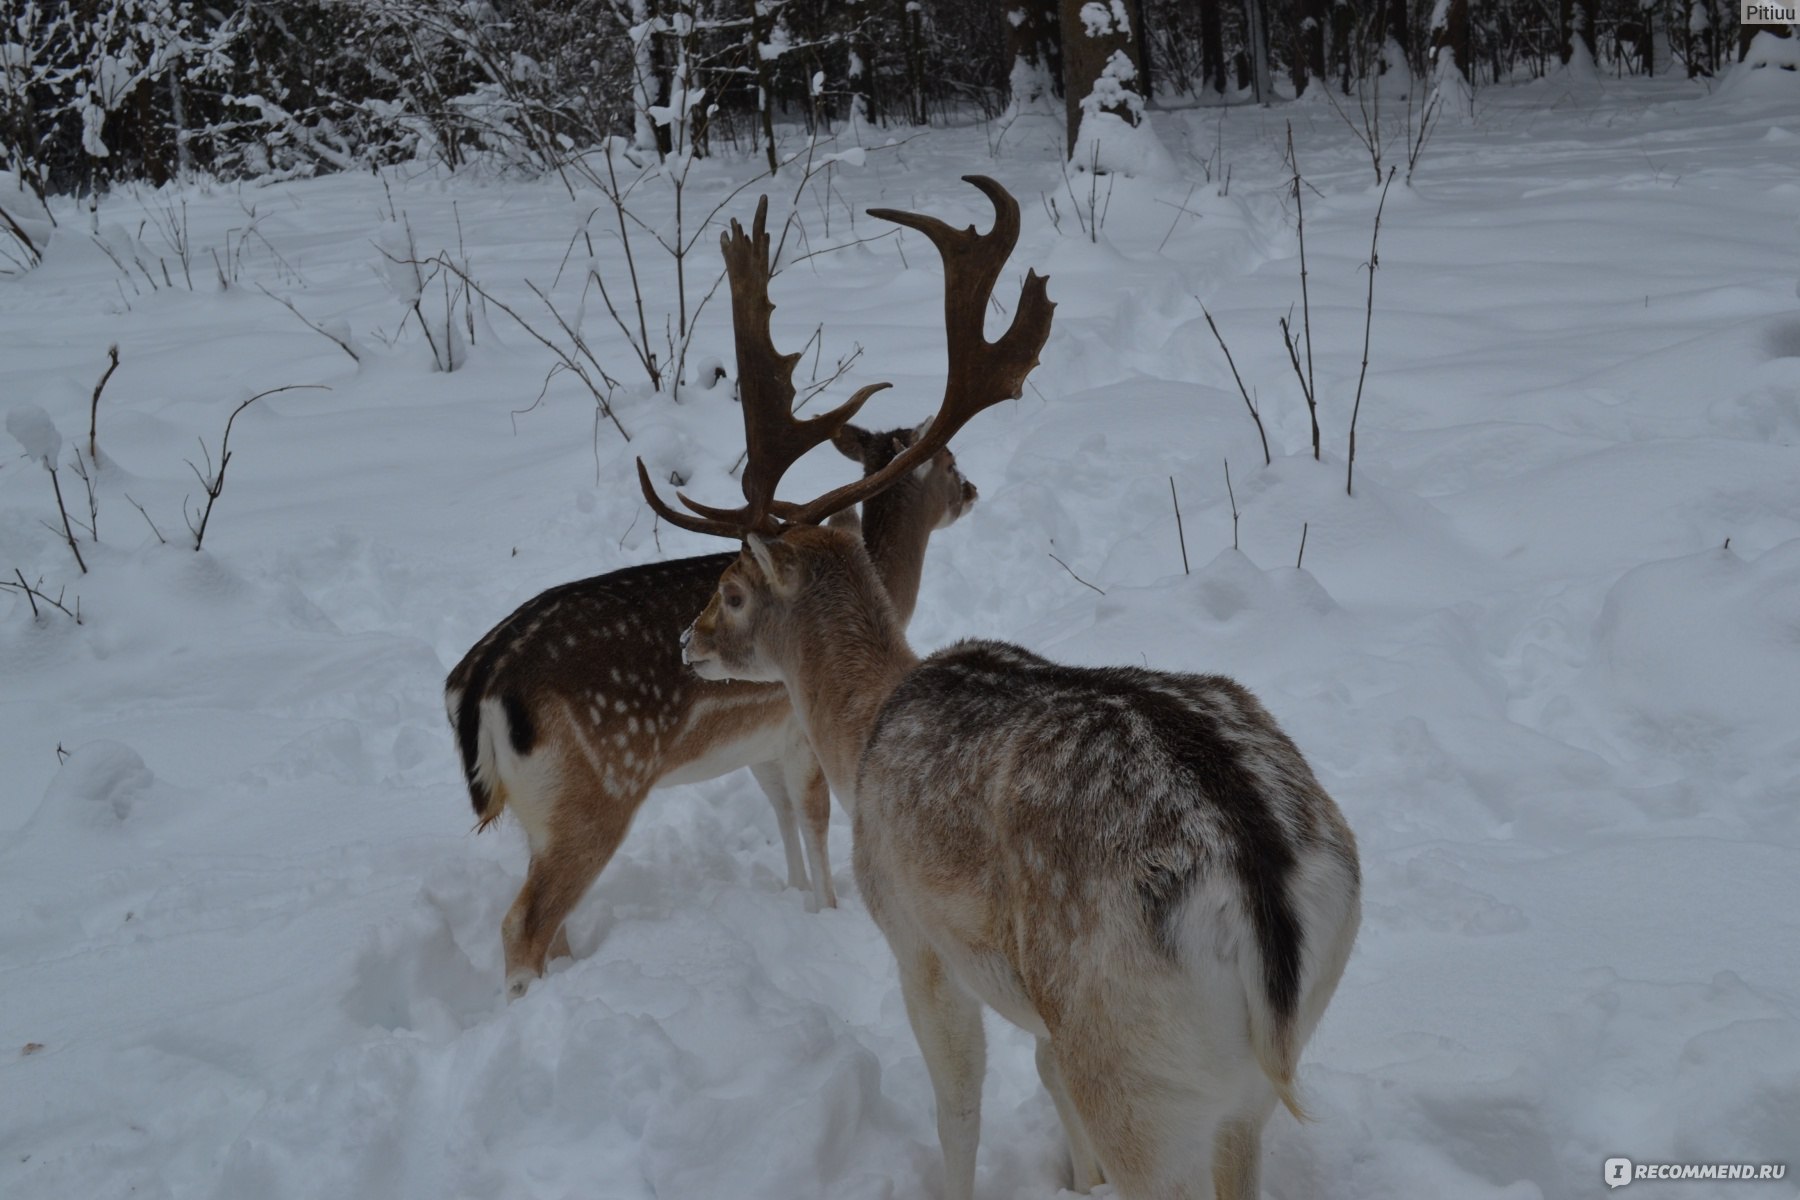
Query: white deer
pixel 1136 866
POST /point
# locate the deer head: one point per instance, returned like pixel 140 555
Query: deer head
pixel 784 552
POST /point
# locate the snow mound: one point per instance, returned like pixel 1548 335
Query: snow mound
pixel 1770 68
pixel 33 429
pixel 101 784
pixel 1698 659
pixel 25 226
pixel 1107 143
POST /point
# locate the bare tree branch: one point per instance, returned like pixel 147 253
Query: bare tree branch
pixel 337 341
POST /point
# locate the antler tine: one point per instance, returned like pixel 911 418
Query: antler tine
pixel 722 527
pixel 972 261
pixel 774 438
pixel 982 373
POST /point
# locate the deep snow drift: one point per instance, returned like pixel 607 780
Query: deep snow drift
pixel 249 948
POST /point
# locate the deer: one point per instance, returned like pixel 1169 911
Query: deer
pixel 570 711
pixel 1138 867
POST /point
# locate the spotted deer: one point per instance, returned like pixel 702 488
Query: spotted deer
pixel 1136 866
pixel 571 710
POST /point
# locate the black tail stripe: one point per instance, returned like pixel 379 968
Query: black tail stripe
pixel 518 723
pixel 1261 856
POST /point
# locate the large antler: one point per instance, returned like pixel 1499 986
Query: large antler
pixel 774 438
pixel 981 373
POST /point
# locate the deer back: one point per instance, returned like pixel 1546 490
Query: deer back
pixel 1035 805
pixel 605 654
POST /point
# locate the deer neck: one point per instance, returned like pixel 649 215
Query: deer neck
pixel 896 529
pixel 846 653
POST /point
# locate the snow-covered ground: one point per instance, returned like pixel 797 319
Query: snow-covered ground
pixel 249 947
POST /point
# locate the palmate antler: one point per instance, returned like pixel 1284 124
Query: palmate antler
pixel 981 373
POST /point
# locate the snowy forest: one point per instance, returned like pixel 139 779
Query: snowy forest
pixel 1385 411
pixel 94 92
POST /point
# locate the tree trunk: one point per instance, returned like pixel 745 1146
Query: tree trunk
pixel 1146 63
pixel 1310 19
pixel 1298 58
pixel 643 75
pixel 1089 48
pixel 1575 19
pixel 1256 20
pixel 1033 48
pixel 1212 47
pixel 765 82
pixel 153 155
pixel 1400 29
pixel 912 34
pixel 184 155
pixel 1453 35
pixel 1343 37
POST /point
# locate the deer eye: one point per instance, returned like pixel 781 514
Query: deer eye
pixel 733 598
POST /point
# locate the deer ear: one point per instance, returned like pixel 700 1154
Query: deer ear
pixel 852 443
pixel 776 562
pixel 850 521
pixel 758 546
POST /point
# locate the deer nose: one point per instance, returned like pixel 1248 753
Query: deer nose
pixel 969 493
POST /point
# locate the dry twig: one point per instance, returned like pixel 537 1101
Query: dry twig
pixel 216 484
pixel 1179 531
pixel 337 341
pixel 112 352
pixel 1368 321
pixel 1242 390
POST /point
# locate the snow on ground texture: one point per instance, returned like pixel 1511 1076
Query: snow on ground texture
pixel 248 947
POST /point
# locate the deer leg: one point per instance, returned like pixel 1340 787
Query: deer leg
pixel 816 809
pixel 1084 1167
pixel 946 1020
pixel 811 799
pixel 772 776
pixel 580 844
pixel 1237 1156
pixel 1154 1135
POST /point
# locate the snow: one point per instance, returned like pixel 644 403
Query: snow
pixel 36 433
pixel 1107 144
pixel 1770 68
pixel 244 921
pixel 1106 140
pixel 21 213
pixel 1101 20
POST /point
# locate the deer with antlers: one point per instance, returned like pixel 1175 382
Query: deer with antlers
pixel 571 710
pixel 1136 866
